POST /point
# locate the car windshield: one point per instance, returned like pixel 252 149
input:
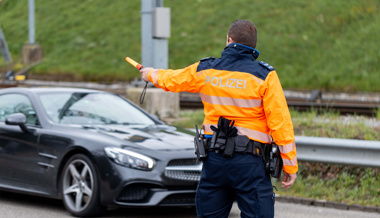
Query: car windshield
pixel 91 109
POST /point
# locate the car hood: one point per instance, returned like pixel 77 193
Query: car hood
pixel 155 137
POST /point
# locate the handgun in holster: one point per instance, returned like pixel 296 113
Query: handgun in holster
pixel 273 160
pixel 200 148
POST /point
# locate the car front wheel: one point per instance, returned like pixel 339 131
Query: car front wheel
pixel 80 187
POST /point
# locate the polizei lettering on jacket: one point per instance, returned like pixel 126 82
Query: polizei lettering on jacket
pixel 226 82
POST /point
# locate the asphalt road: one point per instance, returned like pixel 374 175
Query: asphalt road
pixel 17 205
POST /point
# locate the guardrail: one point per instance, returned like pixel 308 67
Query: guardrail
pixel 338 151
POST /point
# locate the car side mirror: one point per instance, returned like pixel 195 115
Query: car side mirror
pixel 17 119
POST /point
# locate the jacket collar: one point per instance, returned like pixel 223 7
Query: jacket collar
pixel 236 49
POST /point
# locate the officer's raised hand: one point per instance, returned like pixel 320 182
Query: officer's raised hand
pixel 291 178
pixel 145 72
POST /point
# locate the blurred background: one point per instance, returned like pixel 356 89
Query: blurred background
pixel 327 45
pixel 317 47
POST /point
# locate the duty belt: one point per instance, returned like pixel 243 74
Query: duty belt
pixel 253 147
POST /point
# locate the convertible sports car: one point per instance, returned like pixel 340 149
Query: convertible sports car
pixel 92 149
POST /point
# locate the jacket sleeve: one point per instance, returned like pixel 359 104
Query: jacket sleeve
pixel 279 121
pixel 182 80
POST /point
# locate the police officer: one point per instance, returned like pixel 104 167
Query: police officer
pixel 237 87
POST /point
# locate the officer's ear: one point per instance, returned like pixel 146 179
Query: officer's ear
pixel 229 40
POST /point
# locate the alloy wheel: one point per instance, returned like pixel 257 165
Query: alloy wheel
pixel 78 185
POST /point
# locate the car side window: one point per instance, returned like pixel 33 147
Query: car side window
pixel 17 103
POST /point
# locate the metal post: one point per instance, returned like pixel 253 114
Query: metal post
pixel 154 51
pixel 4 48
pixel 161 45
pixel 147 7
pixel 31 22
pixel 31 51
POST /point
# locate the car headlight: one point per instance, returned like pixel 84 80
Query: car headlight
pixel 129 158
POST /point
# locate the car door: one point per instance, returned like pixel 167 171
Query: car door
pixel 18 149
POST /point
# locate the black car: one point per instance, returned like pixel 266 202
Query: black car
pixel 92 149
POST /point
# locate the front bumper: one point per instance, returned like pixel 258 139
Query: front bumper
pixel 143 194
pixel 172 182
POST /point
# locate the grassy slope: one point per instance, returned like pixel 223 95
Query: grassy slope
pixel 89 38
pixel 312 44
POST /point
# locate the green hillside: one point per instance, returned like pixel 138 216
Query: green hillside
pixel 319 44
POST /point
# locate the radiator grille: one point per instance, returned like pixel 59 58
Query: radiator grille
pixel 184 169
pixel 183 162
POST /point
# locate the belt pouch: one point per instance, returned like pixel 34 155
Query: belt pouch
pixel 230 147
pixel 220 145
pixel 213 140
pixel 241 143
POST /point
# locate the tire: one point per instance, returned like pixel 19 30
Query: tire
pixel 80 187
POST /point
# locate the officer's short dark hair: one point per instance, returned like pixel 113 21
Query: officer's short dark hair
pixel 243 32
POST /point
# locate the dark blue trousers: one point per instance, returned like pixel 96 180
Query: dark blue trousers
pixel 241 178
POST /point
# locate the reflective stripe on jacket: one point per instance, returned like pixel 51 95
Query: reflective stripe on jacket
pixel 239 88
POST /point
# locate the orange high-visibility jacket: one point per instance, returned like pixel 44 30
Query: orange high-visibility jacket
pixel 238 87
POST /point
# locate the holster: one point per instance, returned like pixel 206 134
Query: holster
pixel 272 160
